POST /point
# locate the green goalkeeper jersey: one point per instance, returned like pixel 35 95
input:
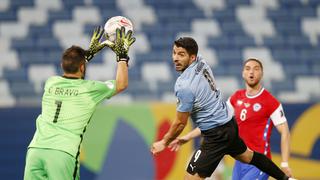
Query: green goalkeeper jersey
pixel 67 106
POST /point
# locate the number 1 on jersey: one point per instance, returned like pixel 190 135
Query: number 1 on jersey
pixel 209 79
pixel 58 103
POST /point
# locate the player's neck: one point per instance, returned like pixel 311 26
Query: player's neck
pixel 69 75
pixel 252 91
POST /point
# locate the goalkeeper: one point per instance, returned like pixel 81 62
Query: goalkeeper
pixel 68 104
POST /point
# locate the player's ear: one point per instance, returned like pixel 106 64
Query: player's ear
pixel 82 68
pixel 193 57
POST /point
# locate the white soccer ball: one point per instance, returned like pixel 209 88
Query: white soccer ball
pixel 116 22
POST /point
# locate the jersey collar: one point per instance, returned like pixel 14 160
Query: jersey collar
pixel 251 97
pixel 191 65
pixel 70 77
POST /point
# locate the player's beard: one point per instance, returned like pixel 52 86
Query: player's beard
pixel 180 67
pixel 253 84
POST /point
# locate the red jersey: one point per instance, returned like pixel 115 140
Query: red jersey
pixel 256 116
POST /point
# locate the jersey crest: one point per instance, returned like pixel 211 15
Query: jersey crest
pixel 256 107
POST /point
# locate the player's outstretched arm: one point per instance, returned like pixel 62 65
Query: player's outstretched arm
pixel 122 77
pixel 283 129
pixel 174 131
pixel 121 48
pixel 178 142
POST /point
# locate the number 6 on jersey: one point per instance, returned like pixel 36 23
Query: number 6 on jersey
pixel 243 114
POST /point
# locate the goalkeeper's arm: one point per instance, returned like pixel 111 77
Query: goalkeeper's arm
pixel 121 48
pixel 122 76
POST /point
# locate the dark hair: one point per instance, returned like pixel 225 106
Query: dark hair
pixel 72 58
pixel 187 43
pixel 253 59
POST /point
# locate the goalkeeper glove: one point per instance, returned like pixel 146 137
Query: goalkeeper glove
pixel 122 44
pixel 95 45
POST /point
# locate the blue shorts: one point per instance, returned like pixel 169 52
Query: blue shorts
pixel 242 171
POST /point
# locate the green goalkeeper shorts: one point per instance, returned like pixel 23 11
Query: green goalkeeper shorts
pixel 50 164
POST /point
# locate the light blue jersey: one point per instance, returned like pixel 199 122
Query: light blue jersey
pixel 197 93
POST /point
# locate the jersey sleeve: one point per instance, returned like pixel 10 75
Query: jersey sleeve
pixel 230 105
pixel 102 90
pixel 278 116
pixel 276 111
pixel 185 100
pixel 235 97
pixel 232 100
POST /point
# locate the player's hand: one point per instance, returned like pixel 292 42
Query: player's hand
pixel 95 45
pixel 122 44
pixel 287 171
pixel 157 147
pixel 128 40
pixel 177 143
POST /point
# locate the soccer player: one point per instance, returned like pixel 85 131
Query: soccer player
pixel 199 97
pixel 68 103
pixel 256 112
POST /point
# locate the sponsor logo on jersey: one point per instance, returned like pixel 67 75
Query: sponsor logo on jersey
pixel 256 107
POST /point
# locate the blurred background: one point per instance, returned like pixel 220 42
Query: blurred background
pixel 283 34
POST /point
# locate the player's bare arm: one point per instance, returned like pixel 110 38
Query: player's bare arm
pixel 121 48
pixel 283 129
pixel 178 142
pixel 175 130
pixel 177 127
pixel 121 77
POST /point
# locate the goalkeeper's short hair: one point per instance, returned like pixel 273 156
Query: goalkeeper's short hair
pixel 72 58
